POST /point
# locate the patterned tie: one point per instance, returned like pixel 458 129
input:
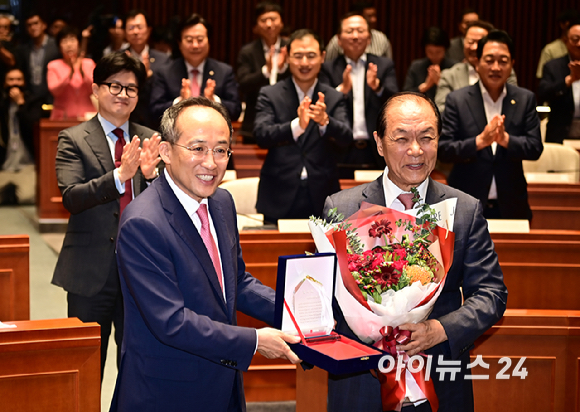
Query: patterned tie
pixel 209 242
pixel 128 195
pixel 407 200
pixel 194 84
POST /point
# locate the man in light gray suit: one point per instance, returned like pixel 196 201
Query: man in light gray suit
pixel 407 135
pixel 98 175
pixel 464 73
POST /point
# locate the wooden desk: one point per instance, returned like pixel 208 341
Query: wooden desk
pixel 14 278
pixel 48 196
pixel 248 159
pixel 50 365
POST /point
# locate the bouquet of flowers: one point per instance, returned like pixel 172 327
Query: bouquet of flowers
pixel 392 265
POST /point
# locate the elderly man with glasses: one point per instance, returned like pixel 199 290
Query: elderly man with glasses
pixel 101 165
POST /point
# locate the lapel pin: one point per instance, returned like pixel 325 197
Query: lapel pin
pixel 152 59
pixel 513 101
pixel 211 72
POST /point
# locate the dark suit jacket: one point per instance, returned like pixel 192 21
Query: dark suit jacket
pixel 22 56
pixel 250 77
pixel 167 85
pixel 84 169
pixel 463 119
pixel 417 74
pixel 280 175
pixel 142 114
pixel 553 89
pixel 25 116
pixel 182 350
pixel 475 269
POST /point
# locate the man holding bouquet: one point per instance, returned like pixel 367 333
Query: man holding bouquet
pixel 407 137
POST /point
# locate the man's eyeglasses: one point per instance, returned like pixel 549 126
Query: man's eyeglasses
pixel 198 152
pixel 116 89
pixel 300 56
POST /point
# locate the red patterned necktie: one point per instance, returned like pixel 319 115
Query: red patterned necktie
pixel 209 241
pixel 128 195
pixel 194 84
pixel 407 200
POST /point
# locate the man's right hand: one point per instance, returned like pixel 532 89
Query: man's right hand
pixel 574 72
pixel 346 85
pixel 17 96
pixel 272 344
pixel 185 89
pixel 488 136
pixel 304 112
pixel 130 160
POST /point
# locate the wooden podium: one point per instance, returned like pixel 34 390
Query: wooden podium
pixel 50 365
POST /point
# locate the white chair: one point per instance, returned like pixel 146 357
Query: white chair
pixel 557 164
pixel 245 193
pixel 366 175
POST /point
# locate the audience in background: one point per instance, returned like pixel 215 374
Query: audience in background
pixel 7 59
pixel 302 122
pixel 33 57
pixel 55 26
pixel 379 44
pixel 558 47
pixel 194 73
pixel 488 129
pixel 366 81
pixel 70 79
pixel 455 50
pixel 17 177
pixel 262 62
pixel 560 87
pixel 116 37
pixel 464 73
pixel 424 74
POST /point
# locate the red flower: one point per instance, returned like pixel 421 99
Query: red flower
pixel 379 228
pixel 400 251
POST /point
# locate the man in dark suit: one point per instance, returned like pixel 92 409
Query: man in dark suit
pixel 303 123
pixel 98 176
pixel 474 296
pixel 367 81
pixel 137 33
pixel 488 129
pixel 195 74
pixel 33 57
pixel 262 62
pixel 183 278
pixel 17 177
pixel 560 87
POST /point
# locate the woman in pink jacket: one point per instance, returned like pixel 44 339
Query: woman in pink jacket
pixel 70 79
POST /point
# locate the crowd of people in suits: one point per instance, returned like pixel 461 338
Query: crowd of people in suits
pixel 321 114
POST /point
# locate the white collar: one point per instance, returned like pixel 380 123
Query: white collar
pixel 199 66
pixel 485 94
pixel 189 204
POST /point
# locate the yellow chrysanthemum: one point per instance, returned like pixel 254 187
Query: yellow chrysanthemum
pixel 418 273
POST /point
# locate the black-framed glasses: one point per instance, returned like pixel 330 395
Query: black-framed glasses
pixel 198 152
pixel 116 89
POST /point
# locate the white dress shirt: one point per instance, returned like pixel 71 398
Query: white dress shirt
pixel 414 394
pixel 492 109
pixel 358 78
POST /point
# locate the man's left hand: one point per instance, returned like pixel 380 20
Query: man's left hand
pixel 209 89
pixel 502 137
pixel 424 335
pixel 149 158
pixel 372 80
pixel 318 111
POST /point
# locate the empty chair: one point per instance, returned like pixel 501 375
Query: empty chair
pixel 561 162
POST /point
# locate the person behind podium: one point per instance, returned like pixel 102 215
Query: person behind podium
pixel 183 278
pixel 98 175
pixel 474 296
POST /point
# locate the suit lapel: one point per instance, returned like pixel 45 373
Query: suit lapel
pixel 225 247
pixel 96 139
pixel 258 52
pixel 509 107
pixel 475 105
pixel 375 193
pixel 208 73
pixel 183 226
pixel 434 193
